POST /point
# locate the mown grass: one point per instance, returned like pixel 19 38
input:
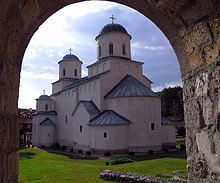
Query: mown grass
pixel 41 166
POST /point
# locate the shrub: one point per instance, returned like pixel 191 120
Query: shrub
pixel 80 151
pixel 63 148
pixel 121 161
pixel 131 153
pixel 165 149
pixel 88 153
pixel 71 150
pixel 107 154
pixel 150 151
pixel 57 146
pixel 42 146
pixel 182 147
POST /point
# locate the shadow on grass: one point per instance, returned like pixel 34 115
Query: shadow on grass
pixel 176 154
pixel 26 155
pixel 71 155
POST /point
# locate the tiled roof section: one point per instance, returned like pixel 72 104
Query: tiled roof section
pixel 44 97
pixel 167 122
pixel 130 87
pixel 109 117
pixel 47 122
pixel 45 113
pixel 90 107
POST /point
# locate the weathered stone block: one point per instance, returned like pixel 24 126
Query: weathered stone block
pixel 211 53
pixel 215 27
pixel 202 85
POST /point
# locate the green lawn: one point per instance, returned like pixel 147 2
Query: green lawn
pixel 41 166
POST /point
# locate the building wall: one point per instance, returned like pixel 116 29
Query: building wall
pixel 117 137
pixel 168 135
pixel 141 111
pixel 70 66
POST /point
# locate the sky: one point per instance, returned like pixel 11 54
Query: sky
pixel 76 26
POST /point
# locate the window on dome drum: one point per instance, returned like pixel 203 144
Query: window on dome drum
pixel 46 107
pixel 64 72
pixel 75 72
pixel 66 119
pixel 100 51
pixel 111 48
pixel 152 126
pixel 105 135
pixel 80 129
pixel 123 49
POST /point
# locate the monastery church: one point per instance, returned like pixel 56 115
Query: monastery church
pixel 113 109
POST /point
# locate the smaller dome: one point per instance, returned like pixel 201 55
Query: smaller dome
pixel 44 97
pixel 71 57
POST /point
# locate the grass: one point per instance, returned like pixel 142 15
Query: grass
pixel 41 166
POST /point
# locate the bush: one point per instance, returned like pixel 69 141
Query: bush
pixel 182 147
pixel 181 131
pixel 42 146
pixel 71 150
pixel 131 153
pixel 150 151
pixel 63 148
pixel 80 151
pixel 165 149
pixel 88 153
pixel 121 161
pixel 107 154
pixel 57 146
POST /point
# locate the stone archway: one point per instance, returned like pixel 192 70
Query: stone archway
pixel 193 29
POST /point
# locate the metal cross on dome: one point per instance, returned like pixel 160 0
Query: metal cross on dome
pixel 70 50
pixel 44 91
pixel 113 18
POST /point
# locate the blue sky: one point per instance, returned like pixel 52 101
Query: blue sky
pixel 76 27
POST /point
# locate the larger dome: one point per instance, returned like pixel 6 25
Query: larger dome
pixel 112 28
pixel 71 57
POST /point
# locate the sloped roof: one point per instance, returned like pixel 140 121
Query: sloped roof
pixel 47 122
pixel 130 87
pixel 109 117
pixel 89 106
pixel 167 122
pixel 45 113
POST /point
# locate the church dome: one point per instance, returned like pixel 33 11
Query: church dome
pixel 112 27
pixel 71 57
pixel 44 97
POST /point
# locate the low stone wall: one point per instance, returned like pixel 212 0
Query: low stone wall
pixel 134 178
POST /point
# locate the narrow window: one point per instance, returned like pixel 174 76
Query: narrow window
pixel 46 107
pixel 80 129
pixel 48 134
pixel 75 72
pixel 123 49
pixel 34 127
pixel 100 51
pixel 152 126
pixel 110 48
pixel 105 135
pixel 66 119
pixel 64 72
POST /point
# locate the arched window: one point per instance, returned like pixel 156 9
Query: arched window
pixel 100 50
pixel 123 49
pixel 46 107
pixel 66 119
pixel 64 72
pixel 110 48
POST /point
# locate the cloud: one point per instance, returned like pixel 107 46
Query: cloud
pixel 137 45
pixel 35 75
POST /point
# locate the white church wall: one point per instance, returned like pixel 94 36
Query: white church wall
pixel 80 128
pixel 117 39
pixel 46 136
pixel 98 68
pixel 168 135
pixel 142 112
pixel 116 139
pixel 44 105
pixel 67 69
pixel 65 105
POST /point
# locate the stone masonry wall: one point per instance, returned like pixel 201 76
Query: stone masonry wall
pixel 193 29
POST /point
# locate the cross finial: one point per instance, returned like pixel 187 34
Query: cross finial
pixel 44 91
pixel 113 18
pixel 70 50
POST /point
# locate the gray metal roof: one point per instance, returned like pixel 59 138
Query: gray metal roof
pixel 45 113
pixel 47 122
pixel 167 122
pixel 90 107
pixel 71 57
pixel 109 117
pixel 130 87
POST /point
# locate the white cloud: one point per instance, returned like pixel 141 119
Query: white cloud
pixel 33 75
pixel 167 85
pixel 137 45
pixel 50 68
